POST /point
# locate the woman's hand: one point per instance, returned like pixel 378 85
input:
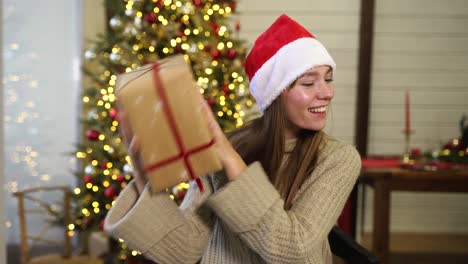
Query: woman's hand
pixel 133 147
pixel 230 159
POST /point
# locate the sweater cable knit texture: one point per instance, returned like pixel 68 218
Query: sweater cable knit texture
pixel 242 221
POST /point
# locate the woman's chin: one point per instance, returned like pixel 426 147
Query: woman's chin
pixel 316 126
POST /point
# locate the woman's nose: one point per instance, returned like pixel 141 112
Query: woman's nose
pixel 325 91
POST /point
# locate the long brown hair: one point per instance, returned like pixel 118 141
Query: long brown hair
pixel 263 139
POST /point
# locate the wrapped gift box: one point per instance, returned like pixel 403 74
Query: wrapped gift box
pixel 164 110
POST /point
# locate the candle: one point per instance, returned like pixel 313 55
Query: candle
pixel 407 113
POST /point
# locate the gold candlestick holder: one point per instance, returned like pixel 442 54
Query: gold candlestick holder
pixel 406 159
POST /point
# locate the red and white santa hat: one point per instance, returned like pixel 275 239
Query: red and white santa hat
pixel 280 55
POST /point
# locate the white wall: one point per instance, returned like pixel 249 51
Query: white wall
pixel 41 48
pixel 420 46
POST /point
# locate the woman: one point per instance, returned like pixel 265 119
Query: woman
pixel 284 181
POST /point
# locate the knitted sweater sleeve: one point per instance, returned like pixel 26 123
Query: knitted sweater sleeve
pixel 253 209
pixel 154 225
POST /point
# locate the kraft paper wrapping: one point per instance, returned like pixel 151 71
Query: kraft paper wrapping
pixel 163 109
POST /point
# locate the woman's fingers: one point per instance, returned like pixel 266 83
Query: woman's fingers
pixel 205 108
pixel 134 146
pixel 134 151
pixel 223 146
pixel 211 120
pixel 230 159
pixel 132 142
pixel 124 128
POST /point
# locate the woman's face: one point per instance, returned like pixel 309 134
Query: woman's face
pixel 307 101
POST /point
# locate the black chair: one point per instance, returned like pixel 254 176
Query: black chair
pixel 345 247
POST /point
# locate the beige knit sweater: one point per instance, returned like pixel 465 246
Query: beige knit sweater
pixel 241 221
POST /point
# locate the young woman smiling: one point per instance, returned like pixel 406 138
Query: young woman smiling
pixel 284 181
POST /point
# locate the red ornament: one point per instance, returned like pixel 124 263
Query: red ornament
pixel 120 69
pixel 238 25
pixel 210 100
pixel 197 3
pixel 233 6
pixel 214 25
pixel 113 113
pixel 226 89
pixel 452 145
pixel 120 178
pixel 415 152
pixel 215 54
pixel 87 179
pixel 181 33
pixel 103 165
pixel 101 224
pixel 207 48
pixel 160 3
pixel 92 135
pixel 110 192
pixel 151 17
pixel 180 195
pixel 232 54
pixel 179 49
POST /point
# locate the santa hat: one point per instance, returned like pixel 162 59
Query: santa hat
pixel 280 55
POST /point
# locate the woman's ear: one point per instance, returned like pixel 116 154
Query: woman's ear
pixel 286 91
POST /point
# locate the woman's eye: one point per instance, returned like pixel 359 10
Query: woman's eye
pixel 329 80
pixel 308 84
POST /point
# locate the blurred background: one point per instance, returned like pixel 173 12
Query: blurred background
pixel 401 71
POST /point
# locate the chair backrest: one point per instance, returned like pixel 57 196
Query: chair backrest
pixel 345 247
pixel 43 207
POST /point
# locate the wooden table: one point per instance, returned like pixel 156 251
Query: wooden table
pixel 386 180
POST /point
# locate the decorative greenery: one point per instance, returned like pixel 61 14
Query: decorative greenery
pixel 453 154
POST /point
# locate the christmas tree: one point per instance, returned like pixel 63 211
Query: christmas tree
pixel 140 32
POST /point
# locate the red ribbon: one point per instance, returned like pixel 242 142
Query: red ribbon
pixel 183 153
